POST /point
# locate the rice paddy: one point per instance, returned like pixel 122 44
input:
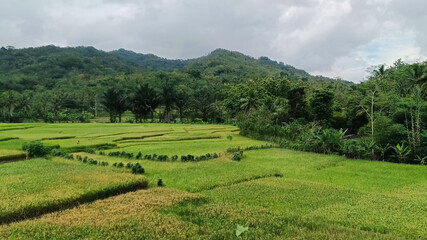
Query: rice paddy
pixel 276 193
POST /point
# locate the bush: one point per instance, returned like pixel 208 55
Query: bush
pixel 36 149
pixel 137 169
pixel 90 150
pixel 160 183
pixel 355 148
pixel 188 158
pixel 237 156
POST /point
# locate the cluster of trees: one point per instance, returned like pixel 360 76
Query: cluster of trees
pixel 173 96
pixel 382 118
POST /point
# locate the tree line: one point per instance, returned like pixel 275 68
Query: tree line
pixel 382 118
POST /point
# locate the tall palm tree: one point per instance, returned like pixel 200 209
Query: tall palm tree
pixel 109 100
pixel 250 103
pixel 418 73
pixel 10 100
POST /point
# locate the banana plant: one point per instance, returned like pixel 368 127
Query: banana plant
pixel 402 152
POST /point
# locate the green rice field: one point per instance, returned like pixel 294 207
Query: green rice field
pixel 276 193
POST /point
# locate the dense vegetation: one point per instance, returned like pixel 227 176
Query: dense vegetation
pixel 382 118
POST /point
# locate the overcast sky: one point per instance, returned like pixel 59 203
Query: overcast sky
pixel 335 38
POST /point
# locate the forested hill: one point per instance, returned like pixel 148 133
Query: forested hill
pixel 22 69
pixel 230 66
pixel 150 61
pixel 235 67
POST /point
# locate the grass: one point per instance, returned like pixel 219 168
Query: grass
pixel 7 152
pixel 56 184
pixel 195 176
pixel 277 193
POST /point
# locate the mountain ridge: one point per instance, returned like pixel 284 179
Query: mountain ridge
pixel 24 68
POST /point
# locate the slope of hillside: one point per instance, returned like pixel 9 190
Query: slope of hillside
pixel 24 68
pixel 150 61
pixel 232 67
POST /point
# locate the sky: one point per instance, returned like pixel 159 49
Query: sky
pixel 334 38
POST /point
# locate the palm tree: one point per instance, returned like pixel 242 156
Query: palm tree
pixel 10 100
pixel 250 103
pixel 109 100
pixel 418 73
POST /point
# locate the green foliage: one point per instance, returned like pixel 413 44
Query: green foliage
pixel 237 156
pixel 355 148
pixel 137 169
pixel 36 149
pixel 240 229
pixel 160 183
pixel 402 153
pixel 14 234
pixel 321 104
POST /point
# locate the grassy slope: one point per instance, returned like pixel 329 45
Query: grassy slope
pixel 319 196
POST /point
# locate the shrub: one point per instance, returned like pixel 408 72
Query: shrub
pixel 90 150
pixel 129 165
pixel 120 165
pixel 355 148
pixel 139 155
pixel 92 161
pixel 160 183
pixel 36 149
pixel 237 156
pixel 188 158
pixel 137 169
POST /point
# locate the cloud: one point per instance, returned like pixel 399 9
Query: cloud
pixel 329 37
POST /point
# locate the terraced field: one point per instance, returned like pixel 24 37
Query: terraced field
pixel 276 193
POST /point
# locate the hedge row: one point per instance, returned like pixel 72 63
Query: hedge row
pixel 135 168
pixel 162 158
pixel 254 147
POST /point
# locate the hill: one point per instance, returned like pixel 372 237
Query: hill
pixel 150 61
pixel 22 69
pixel 234 67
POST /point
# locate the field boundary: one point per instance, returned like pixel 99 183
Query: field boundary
pixel 8 139
pixel 13 158
pixel 138 138
pixel 36 211
pixel 238 181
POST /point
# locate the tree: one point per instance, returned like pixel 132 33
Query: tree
pixel 321 104
pixel 10 100
pixel 140 102
pixel 418 73
pixel 167 93
pixel 122 105
pixel 297 103
pixel 182 99
pixel 116 103
pixel 109 101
